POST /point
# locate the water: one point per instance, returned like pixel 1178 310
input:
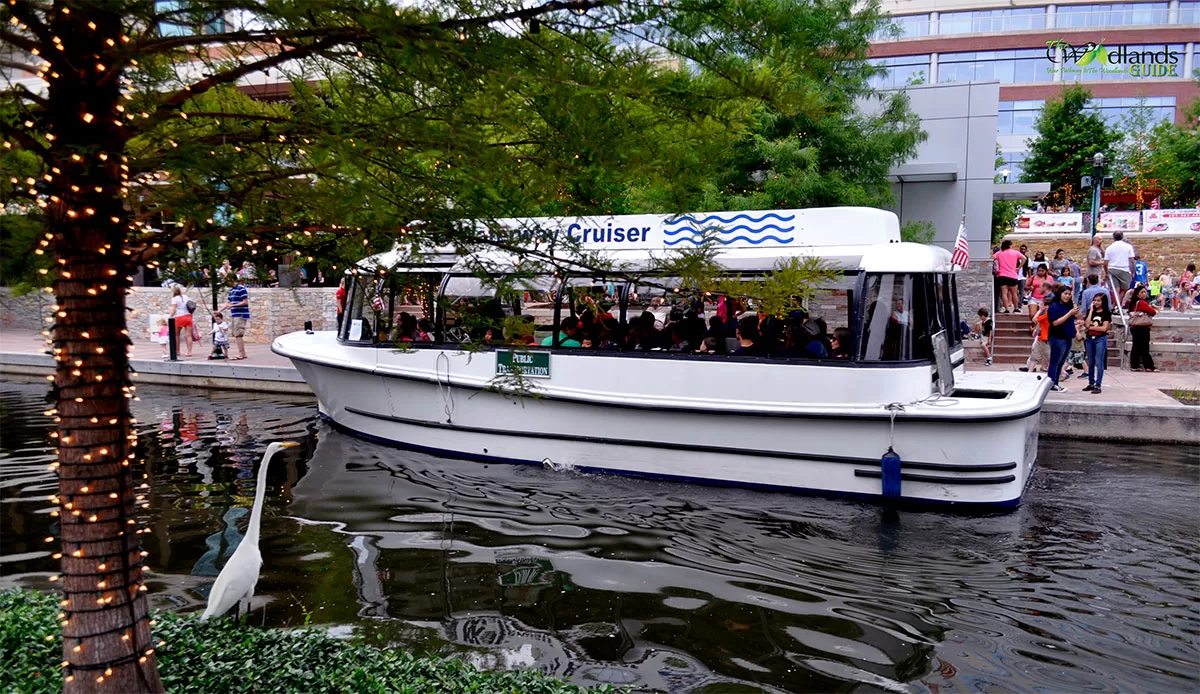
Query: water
pixel 1090 585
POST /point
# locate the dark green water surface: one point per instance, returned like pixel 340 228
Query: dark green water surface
pixel 1092 585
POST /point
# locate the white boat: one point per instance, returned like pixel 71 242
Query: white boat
pixel 795 423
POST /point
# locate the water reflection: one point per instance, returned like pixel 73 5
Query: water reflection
pixel 1090 585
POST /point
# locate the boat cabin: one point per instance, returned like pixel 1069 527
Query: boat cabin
pixel 890 302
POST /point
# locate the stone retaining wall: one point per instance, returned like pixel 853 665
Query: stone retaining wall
pixel 273 312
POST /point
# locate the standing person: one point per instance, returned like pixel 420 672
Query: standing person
pixel 1093 288
pixel 1141 271
pixel 238 305
pixel 1039 260
pixel 1096 325
pixel 1061 333
pixel 1022 274
pixel 220 337
pixel 983 328
pixel 1037 294
pixel 1118 259
pixel 1006 262
pixel 1040 352
pixel 340 297
pixel 1095 258
pixel 1141 318
pixel 1166 295
pixel 183 316
pixel 1058 263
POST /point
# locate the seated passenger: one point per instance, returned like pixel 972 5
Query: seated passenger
pixel 804 340
pixel 840 344
pixel 566 334
pixel 643 335
pixel 424 331
pixel 747 335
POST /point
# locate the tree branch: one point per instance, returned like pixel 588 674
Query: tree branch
pixel 22 92
pixel 23 42
pixel 23 138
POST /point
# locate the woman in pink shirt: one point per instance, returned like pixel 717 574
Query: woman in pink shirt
pixel 1006 260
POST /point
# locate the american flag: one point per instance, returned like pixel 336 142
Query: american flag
pixel 961 249
pixel 377 303
pixel 1156 203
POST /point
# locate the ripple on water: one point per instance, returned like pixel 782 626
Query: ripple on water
pixel 1090 585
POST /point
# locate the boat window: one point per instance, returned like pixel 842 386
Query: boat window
pixel 512 310
pixel 885 329
pixel 361 319
pixel 588 314
pixel 950 306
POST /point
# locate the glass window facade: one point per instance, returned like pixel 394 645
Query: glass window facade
pixel 1013 163
pixel 900 71
pixel 1025 65
pixel 1116 14
pixel 1020 118
pixel 984 21
pixel 1189 13
pixel 908 25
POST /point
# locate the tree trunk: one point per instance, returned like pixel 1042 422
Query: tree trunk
pixel 107 645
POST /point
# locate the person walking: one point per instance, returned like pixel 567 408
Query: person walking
pixel 1005 263
pixel 238 305
pixel 1022 275
pixel 1061 333
pixel 1039 353
pixel 1141 318
pixel 1058 263
pixel 1118 260
pixel 340 297
pixel 1095 258
pixel 182 313
pixel 1096 326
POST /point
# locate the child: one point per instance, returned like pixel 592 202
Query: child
pixel 983 326
pixel 1068 280
pixel 220 333
pixel 1040 352
pixel 163 337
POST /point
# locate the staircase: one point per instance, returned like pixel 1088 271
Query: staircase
pixel 1013 339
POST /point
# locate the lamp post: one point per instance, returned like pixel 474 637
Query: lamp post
pixel 1097 184
pixel 1005 173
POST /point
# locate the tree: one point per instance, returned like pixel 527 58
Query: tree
pixel 918 231
pixel 1175 159
pixel 132 115
pixel 1069 134
pixel 1132 161
pixel 1004 212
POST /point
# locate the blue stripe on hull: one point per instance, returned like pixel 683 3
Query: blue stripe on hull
pixel 903 501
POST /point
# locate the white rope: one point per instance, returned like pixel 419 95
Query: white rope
pixel 447 395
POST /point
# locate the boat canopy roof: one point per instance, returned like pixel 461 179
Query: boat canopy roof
pixel 854 238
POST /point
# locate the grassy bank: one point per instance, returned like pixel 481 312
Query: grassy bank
pixel 222 656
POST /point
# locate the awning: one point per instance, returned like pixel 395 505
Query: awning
pixel 1019 191
pixel 930 172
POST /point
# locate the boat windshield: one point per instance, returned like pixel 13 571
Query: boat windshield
pixel 901 313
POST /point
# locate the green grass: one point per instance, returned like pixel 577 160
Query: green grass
pixel 224 656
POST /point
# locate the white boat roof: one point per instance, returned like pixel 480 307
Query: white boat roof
pixel 862 238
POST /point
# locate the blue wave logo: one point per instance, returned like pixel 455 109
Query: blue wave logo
pixel 725 242
pixel 730 230
pixel 769 226
pixel 734 218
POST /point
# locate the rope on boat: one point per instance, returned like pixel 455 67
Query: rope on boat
pixel 447 394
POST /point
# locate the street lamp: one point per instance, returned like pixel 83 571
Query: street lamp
pixel 1097 184
pixel 1005 173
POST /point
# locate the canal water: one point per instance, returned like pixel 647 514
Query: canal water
pixel 1090 585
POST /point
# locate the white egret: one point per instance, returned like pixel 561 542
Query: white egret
pixel 235 584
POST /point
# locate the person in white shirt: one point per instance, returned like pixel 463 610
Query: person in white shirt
pixel 220 333
pixel 1118 258
pixel 183 317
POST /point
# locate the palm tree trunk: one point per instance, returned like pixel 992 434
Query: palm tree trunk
pixel 107 645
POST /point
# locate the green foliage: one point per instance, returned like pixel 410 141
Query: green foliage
pixel 918 231
pixel 1174 159
pixel 1004 216
pixel 1132 160
pixel 225 656
pixel 1068 136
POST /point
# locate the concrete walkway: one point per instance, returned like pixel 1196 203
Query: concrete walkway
pixel 1132 407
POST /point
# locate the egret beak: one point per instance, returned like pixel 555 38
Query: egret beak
pixel 289 444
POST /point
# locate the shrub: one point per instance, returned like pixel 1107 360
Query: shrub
pixel 225 656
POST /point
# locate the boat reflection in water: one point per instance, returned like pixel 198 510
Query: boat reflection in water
pixel 508 561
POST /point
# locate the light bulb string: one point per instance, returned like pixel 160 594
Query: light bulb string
pixel 126 536
pixel 113 663
pixel 92 574
pixel 123 628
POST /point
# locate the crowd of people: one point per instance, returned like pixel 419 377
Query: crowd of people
pixel 728 330
pixel 1066 302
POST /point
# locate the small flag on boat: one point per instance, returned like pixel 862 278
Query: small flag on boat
pixel 377 303
pixel 962 252
pixel 1156 203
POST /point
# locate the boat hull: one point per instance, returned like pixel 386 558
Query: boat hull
pixel 983 459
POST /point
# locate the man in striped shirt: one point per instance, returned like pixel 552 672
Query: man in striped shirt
pixel 238 306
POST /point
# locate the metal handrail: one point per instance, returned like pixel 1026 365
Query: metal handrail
pixel 1112 287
